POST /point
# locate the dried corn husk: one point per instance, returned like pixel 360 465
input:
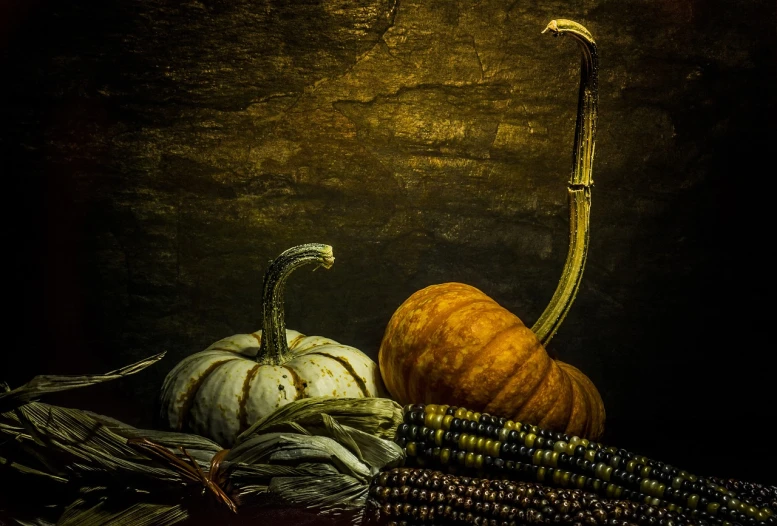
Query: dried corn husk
pixel 46 384
pixel 305 456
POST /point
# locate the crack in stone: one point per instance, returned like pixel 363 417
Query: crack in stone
pixel 391 19
pixel 420 86
pixel 477 55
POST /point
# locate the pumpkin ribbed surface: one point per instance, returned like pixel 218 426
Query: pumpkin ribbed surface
pixel 453 344
pixel 222 390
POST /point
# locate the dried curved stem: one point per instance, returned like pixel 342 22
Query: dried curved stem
pixel 580 183
pixel 274 346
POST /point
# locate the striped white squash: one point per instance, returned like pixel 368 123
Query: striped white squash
pixel 222 390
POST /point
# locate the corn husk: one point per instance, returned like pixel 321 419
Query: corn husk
pixel 305 455
pixel 47 384
pixel 314 454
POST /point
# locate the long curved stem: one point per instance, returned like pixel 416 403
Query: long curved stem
pixel 580 183
pixel 274 347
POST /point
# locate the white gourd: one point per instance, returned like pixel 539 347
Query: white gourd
pixel 221 391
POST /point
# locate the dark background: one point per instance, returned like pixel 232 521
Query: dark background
pixel 156 155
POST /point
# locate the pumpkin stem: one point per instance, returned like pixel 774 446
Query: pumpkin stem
pixel 580 183
pixel 274 347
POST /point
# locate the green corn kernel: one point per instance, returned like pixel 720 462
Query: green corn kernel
pixel 693 501
pixel 541 472
pixel 445 455
pixel 446 422
pixel 438 436
pixel 644 484
pixel 437 421
pixel 536 458
pixel 712 507
pixel 463 441
pixel 653 488
pixel 530 438
pixel 503 434
pixel 590 455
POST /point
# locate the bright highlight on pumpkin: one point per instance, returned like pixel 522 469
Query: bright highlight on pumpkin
pixel 451 343
pixel 222 390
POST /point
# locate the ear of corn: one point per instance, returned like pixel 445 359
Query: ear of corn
pixel 464 442
pixel 423 496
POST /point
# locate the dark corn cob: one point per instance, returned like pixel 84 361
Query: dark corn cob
pixel 405 496
pixel 760 494
pixel 465 442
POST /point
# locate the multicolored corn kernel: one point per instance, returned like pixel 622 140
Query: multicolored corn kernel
pixel 466 442
pixel 422 496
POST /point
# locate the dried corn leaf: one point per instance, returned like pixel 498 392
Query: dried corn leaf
pixel 293 448
pixel 319 454
pixel 45 384
pixel 84 513
pixel 376 416
pixel 334 493
pixel 26 470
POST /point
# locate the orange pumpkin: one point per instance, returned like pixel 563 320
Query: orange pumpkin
pixel 452 344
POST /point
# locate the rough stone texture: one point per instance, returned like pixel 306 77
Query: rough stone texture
pixel 157 154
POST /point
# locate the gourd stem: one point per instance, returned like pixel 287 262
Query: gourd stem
pixel 274 347
pixel 580 183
